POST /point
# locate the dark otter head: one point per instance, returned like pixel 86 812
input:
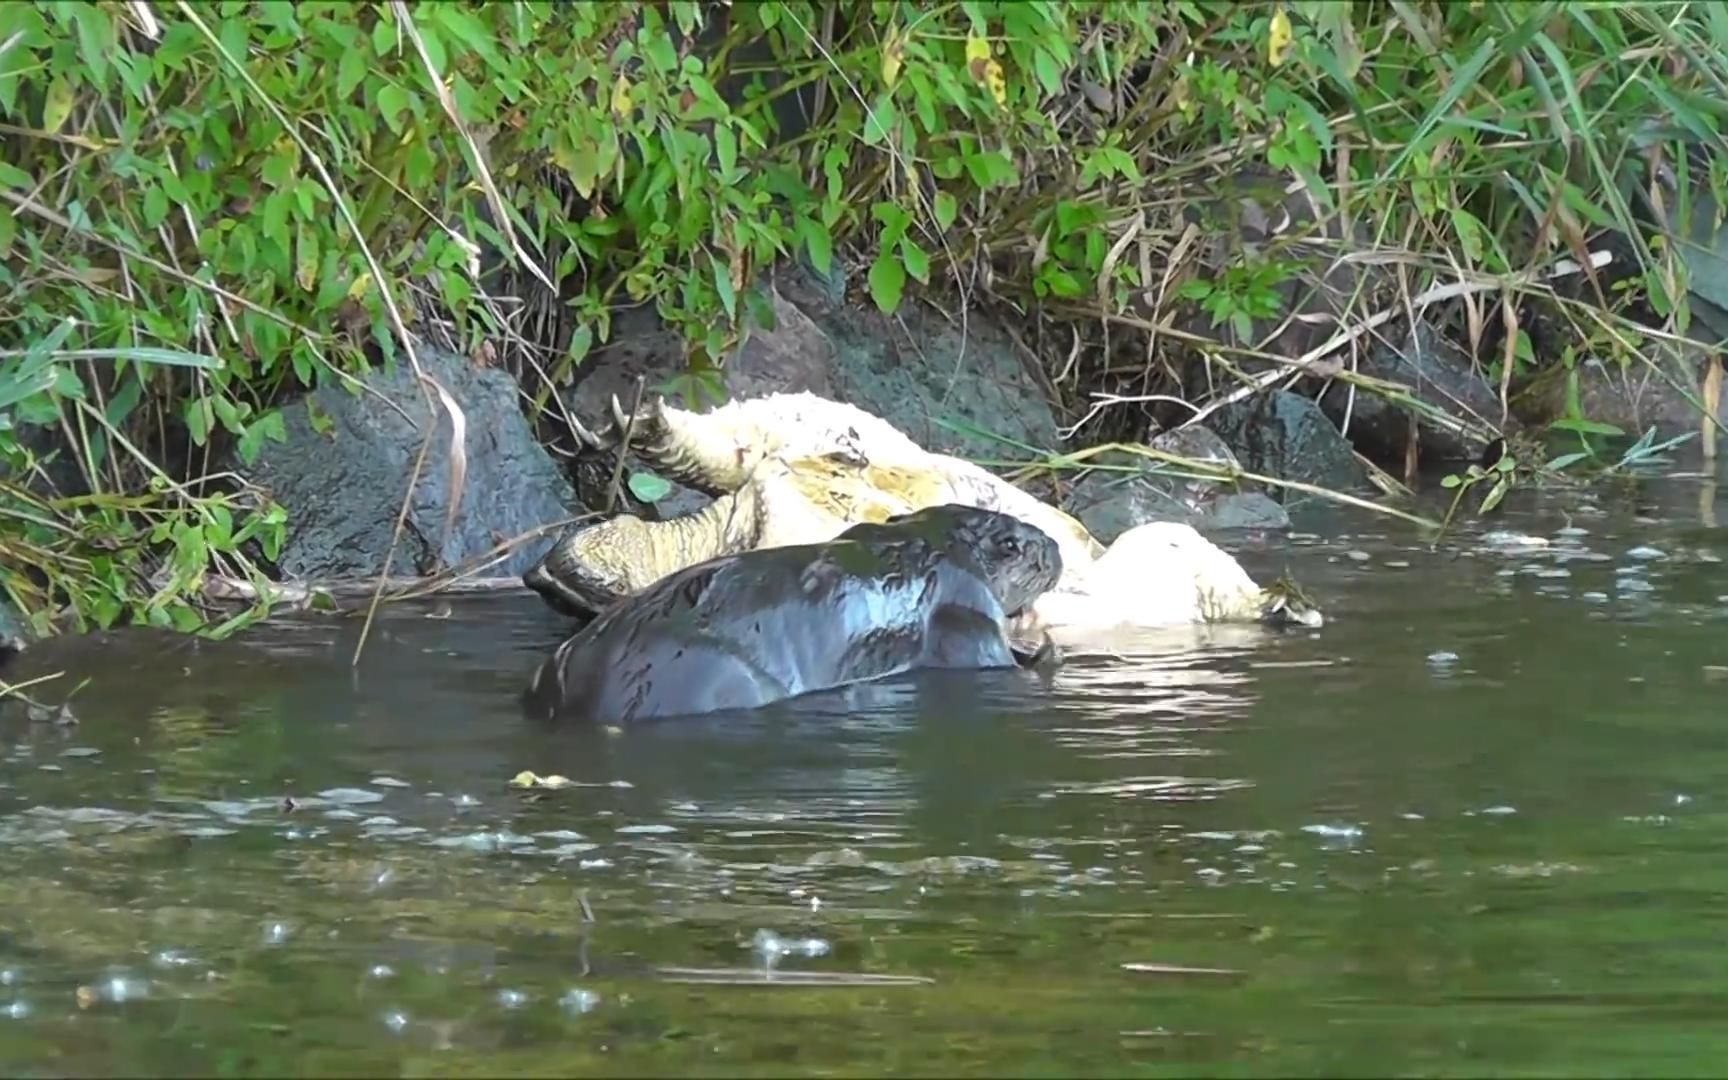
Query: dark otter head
pixel 1020 561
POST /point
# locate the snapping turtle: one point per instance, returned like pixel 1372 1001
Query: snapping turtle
pixel 928 589
pixel 798 468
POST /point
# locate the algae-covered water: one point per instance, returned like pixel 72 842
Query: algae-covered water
pixel 1475 825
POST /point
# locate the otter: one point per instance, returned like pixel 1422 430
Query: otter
pixel 933 588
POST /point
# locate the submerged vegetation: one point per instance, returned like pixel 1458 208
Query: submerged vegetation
pixel 207 209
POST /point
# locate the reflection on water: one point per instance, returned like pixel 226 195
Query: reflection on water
pixel 1470 826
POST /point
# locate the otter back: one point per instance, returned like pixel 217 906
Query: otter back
pixel 748 629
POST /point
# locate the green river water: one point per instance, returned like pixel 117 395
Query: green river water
pixel 1475 825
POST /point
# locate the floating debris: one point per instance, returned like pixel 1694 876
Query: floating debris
pixel 527 779
pixel 1175 969
pixel 759 977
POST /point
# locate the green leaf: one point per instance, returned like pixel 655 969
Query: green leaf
pixel 882 118
pixel 818 242
pixel 15 386
pixel 351 71
pixel 887 282
pixel 1496 493
pixel 947 209
pixel 471 32
pixel 392 103
pixel 726 149
pixel 57 104
pixel 1586 427
pixel 268 426
pixel 14 177
pixel 649 488
pixel 917 262
pixel 723 286
pixel 1451 480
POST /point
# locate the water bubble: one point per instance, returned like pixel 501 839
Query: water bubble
pixel 396 1020
pixel 1336 835
pixel 771 946
pixel 388 781
pixel 1646 553
pixel 380 971
pixel 17 1010
pixel 275 933
pixel 512 999
pixel 351 795
pixel 578 1001
pixel 9 976
pixel 172 958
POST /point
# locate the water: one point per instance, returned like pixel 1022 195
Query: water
pixel 1472 826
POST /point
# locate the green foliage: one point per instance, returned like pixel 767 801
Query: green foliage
pixel 206 191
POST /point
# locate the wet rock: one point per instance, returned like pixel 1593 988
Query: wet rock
pixel 917 370
pixel 792 355
pixel 1287 436
pixel 1250 213
pixel 1436 372
pixel 342 486
pixel 825 342
pixel 1633 398
pixel 1109 502
pixel 12 640
pixel 832 343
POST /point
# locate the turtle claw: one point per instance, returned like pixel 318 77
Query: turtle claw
pixel 648 422
pixel 585 436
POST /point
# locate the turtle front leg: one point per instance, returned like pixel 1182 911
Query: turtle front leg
pixel 690 451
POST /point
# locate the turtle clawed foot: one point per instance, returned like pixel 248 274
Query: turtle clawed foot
pixel 585 437
pixel 649 422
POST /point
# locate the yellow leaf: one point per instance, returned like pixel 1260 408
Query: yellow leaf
pixel 995 82
pixel 976 49
pixel 1278 37
pixel 892 51
pixel 361 284
pixel 57 105
pixel 621 97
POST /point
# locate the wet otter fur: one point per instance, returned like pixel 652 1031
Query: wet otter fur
pixel 798 468
pixel 933 588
